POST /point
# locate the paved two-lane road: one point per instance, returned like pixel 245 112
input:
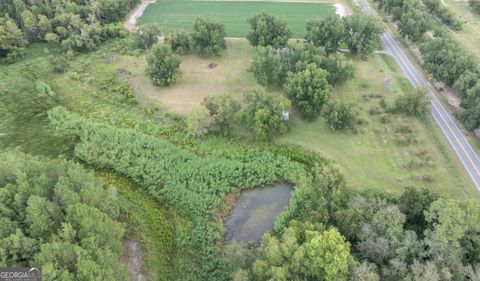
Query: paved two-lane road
pixel 460 144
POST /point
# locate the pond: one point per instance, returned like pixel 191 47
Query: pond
pixel 256 210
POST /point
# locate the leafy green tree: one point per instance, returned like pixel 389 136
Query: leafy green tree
pixel 472 96
pixel 414 102
pixel 43 217
pixel 454 219
pixel 145 36
pixel 470 117
pixel 107 11
pixel 208 36
pixel 446 60
pixel 262 114
pixel 30 26
pixel 304 251
pixel 268 30
pixel 12 41
pixel 222 109
pixel 414 22
pixel 197 122
pixel 363 33
pixel 328 256
pixel 290 263
pixel 339 69
pixel 413 203
pixel 44 26
pixel 465 82
pixel 180 42
pixel 267 67
pixel 59 217
pixel 364 272
pixel 163 66
pixel 328 32
pixel 309 90
pixel 475 4
pixel 339 115
pixel 446 16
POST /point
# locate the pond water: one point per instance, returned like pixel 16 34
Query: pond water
pixel 256 210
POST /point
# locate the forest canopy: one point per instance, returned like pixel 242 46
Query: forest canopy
pixel 58 216
pixel 76 25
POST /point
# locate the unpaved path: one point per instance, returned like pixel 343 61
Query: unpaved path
pixel 135 14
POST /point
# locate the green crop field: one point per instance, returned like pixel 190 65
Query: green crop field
pixel 176 15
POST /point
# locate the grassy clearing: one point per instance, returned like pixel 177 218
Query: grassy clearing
pixel 198 80
pixel 469 36
pixel 176 15
pixel 390 151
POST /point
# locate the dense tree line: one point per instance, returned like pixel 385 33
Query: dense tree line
pixel 437 8
pixel 475 4
pixel 77 25
pixel 444 58
pixel 57 216
pixel 418 236
pixel 163 60
pixel 359 32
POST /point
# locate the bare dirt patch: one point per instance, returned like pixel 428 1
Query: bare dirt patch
pixel 132 257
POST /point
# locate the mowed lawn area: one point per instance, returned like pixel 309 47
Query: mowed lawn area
pixel 374 158
pixel 177 15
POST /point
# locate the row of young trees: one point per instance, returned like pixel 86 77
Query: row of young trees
pixel 359 32
pixel 77 25
pixel 475 4
pixel 444 58
pixel 438 9
pixel 163 60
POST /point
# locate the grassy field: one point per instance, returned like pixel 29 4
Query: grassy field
pixel 198 80
pixel 176 15
pixel 469 36
pixel 370 159
pixel 376 158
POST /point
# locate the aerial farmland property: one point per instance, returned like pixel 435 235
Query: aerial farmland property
pixel 240 140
